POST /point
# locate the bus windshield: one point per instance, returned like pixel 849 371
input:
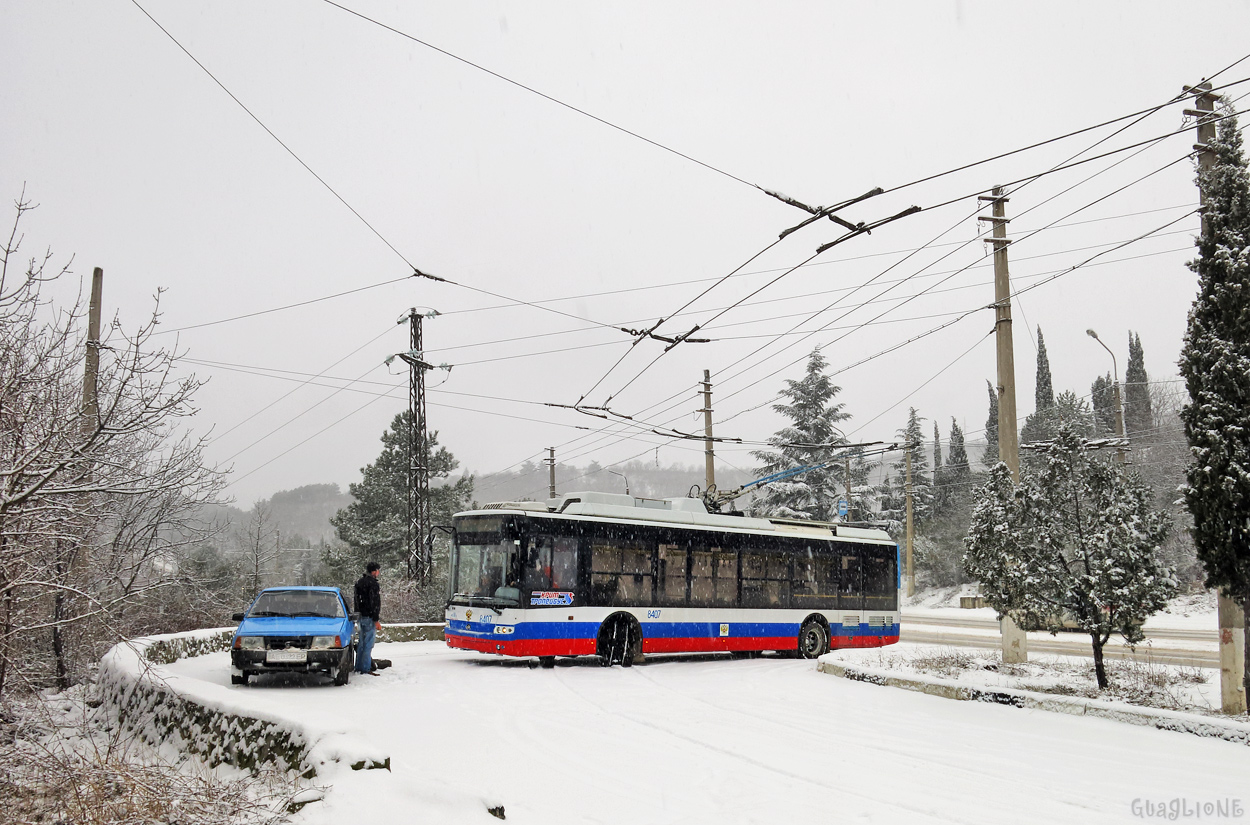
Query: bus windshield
pixel 484 563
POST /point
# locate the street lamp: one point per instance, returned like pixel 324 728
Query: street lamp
pixel 1115 392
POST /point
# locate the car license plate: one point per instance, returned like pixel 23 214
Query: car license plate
pixel 286 656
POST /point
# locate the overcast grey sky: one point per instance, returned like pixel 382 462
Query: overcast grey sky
pixel 144 166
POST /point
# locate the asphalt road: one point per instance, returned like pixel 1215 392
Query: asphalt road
pixel 945 630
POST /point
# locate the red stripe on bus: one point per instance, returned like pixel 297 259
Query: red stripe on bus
pixel 525 647
pixel 861 641
pixel 704 644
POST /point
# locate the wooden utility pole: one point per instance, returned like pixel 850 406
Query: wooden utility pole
pixel 551 472
pixel 1015 642
pixel 911 570
pixel 709 454
pixel 1231 618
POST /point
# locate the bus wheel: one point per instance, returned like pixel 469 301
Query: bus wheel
pixel 813 640
pixel 620 639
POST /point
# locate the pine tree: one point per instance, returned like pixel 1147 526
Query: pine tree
pixel 1138 416
pixel 921 482
pixel 1040 426
pixel 814 417
pixel 1077 539
pixel 990 457
pixel 373 527
pixel 1102 394
pixel 1215 363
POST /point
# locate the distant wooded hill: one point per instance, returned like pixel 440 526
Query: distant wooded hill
pixel 529 481
pixel 303 514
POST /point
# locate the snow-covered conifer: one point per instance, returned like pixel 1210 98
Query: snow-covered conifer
pixel 1138 415
pixel 814 416
pixel 1215 363
pixel 1075 540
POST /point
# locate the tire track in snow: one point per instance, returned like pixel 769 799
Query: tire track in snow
pixel 874 802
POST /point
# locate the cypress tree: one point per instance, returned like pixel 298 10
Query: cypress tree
pixel 1215 363
pixel 1044 395
pixel 1040 426
pixel 939 475
pixel 921 481
pixel 1102 394
pixel 990 457
pixel 1138 417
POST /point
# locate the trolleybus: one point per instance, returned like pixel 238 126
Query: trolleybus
pixel 617 576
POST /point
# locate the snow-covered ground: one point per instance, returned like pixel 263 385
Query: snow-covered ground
pixel 696 739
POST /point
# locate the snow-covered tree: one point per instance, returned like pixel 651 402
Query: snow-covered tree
pixel 958 471
pixel 990 457
pixel 96 500
pixel 1215 363
pixel 806 441
pixel 1102 396
pixel 1040 426
pixel 939 472
pixel 921 482
pixel 1138 415
pixel 374 526
pixel 1077 539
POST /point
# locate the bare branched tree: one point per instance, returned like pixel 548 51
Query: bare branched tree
pixel 96 500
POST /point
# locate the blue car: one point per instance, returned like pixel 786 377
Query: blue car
pixel 294 630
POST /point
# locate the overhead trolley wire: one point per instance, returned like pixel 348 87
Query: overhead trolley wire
pixel 543 95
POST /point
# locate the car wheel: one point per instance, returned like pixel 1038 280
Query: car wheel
pixel 344 671
pixel 238 678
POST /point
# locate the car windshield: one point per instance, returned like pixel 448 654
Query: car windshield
pixel 297 603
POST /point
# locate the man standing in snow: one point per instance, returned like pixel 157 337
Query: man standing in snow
pixel 369 606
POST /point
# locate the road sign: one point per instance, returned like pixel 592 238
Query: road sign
pixel 843 508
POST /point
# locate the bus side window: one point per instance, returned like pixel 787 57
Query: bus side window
pixel 850 592
pixel 727 578
pixel 672 567
pixel 701 586
pixel 564 564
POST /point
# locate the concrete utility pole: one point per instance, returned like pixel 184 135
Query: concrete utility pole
pixel 850 515
pixel 91 372
pixel 1015 642
pixel 709 454
pixel 551 472
pixel 1232 619
pixel 911 571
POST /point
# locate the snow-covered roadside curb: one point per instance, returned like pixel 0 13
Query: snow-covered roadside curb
pixel 204 719
pixel 1151 717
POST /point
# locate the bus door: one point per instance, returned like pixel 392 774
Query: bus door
pixel 549 574
pixel 850 587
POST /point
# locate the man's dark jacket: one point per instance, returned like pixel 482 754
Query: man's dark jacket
pixel 369 597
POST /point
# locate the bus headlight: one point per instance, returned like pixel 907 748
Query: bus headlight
pixel 325 642
pixel 251 643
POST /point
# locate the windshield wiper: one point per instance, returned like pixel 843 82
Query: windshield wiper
pixel 255 613
pixel 313 613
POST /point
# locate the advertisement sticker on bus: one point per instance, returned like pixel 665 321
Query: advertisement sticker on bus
pixel 551 597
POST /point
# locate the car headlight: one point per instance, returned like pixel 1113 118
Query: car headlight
pixel 251 643
pixel 325 642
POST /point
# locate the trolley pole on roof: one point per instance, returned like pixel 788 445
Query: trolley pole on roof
pixel 1015 641
pixel 1231 618
pixel 709 455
